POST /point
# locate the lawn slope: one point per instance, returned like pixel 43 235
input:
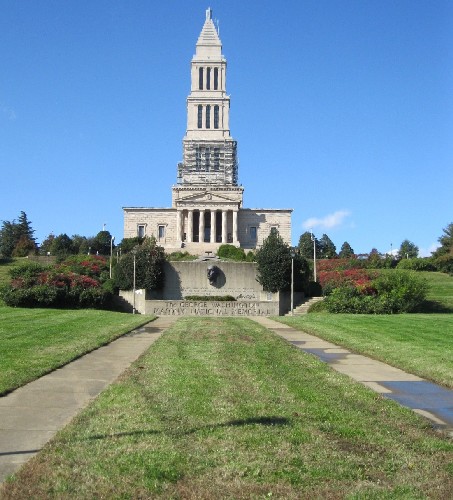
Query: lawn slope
pixel 222 408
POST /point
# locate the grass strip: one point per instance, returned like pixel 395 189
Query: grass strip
pixel 222 408
pixel 421 344
pixel 36 341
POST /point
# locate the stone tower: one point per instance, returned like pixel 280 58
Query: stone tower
pixel 207 177
pixel 207 209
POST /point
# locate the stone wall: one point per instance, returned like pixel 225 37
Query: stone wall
pixel 211 308
pixel 151 218
pixel 190 278
pixel 264 220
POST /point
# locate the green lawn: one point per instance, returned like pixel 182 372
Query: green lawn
pixel 422 344
pixel 36 341
pixel 441 289
pixel 222 408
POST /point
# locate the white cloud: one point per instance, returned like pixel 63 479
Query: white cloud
pixel 426 252
pixel 328 222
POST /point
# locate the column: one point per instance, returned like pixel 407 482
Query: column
pixel 201 227
pixel 189 234
pixel 224 226
pixel 178 226
pixel 213 225
pixel 235 227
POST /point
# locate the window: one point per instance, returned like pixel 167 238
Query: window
pixel 208 78
pixel 274 230
pixel 216 158
pixel 207 159
pixel 161 232
pixel 200 79
pixel 216 78
pixel 141 230
pixel 200 116
pixel 198 158
pixel 216 116
pixel 253 233
pixel 208 116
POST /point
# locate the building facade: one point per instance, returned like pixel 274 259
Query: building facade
pixel 207 201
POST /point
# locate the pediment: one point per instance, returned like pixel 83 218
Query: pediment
pixel 207 197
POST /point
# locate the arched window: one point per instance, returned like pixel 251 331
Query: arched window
pixel 216 116
pixel 200 116
pixel 200 79
pixel 208 116
pixel 208 78
pixel 216 78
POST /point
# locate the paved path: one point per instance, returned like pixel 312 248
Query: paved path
pixel 427 399
pixel 31 415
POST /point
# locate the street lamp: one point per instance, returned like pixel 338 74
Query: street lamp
pixel 112 239
pixel 313 239
pixel 293 254
pixel 133 286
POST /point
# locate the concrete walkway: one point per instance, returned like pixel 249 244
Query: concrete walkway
pixel 31 415
pixel 425 398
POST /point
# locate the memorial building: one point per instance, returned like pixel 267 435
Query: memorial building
pixel 207 200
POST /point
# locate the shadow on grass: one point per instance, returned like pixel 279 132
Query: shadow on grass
pixel 431 306
pixel 271 421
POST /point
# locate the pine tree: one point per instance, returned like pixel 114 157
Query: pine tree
pixel 326 248
pixel 346 251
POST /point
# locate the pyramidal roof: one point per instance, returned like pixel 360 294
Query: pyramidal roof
pixel 209 35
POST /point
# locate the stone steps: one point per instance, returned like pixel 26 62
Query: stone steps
pixel 303 308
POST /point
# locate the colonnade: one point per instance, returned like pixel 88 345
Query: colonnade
pixel 186 231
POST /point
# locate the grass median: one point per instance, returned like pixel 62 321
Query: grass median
pixel 36 341
pixel 222 408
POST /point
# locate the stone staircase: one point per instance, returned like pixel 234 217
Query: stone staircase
pixel 303 308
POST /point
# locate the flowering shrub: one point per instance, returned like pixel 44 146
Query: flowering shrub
pixel 76 282
pixel 339 264
pixel 391 292
pixel 357 278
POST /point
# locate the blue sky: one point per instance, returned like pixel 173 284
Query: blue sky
pixel 343 111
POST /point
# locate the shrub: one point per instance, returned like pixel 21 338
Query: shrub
pixel 339 264
pixel 274 264
pixel 445 263
pixel 395 292
pixel 180 256
pixel 418 264
pixel 250 257
pixel 358 278
pixel 231 252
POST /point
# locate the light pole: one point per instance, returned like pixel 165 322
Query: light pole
pixel 293 253
pixel 112 239
pixel 133 286
pixel 313 239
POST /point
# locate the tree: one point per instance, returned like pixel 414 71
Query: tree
pixel 46 245
pixel 61 246
pixel 326 248
pixel 12 232
pixel 407 250
pixel 346 251
pixel 274 264
pixel 446 241
pixel 149 270
pixel 306 245
pixel 102 243
pixel 79 244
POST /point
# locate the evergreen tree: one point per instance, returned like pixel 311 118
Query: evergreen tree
pixel 446 241
pixel 407 250
pixel 149 270
pixel 306 245
pixel 274 264
pixel 327 249
pixel 102 243
pixel 13 232
pixel 346 251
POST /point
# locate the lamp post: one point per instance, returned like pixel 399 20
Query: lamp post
pixel 293 254
pixel 133 286
pixel 112 239
pixel 313 239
